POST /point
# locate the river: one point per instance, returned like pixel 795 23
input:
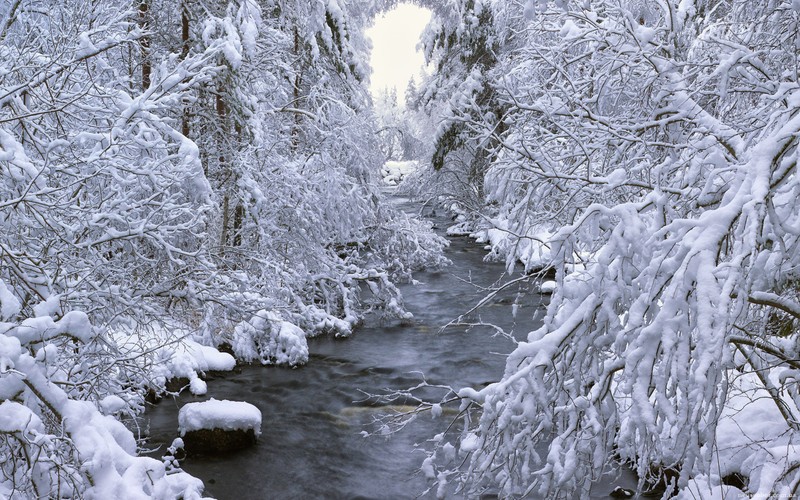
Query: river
pixel 313 417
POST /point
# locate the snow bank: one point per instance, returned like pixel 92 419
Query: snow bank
pixel 103 447
pixel 188 359
pixel 393 172
pixel 225 415
pixel 176 355
pixel 753 438
pixel 531 248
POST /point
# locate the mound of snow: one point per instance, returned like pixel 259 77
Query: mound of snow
pixel 270 339
pixel 393 172
pixel 530 247
pixel 547 287
pixel 188 359
pixel 225 415
pixel 176 354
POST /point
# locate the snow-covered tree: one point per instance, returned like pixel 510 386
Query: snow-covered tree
pixel 103 205
pixel 202 168
pixel 658 143
pixel 399 129
pixel 461 43
pixel 298 181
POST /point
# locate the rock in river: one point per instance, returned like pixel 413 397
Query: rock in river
pixel 218 426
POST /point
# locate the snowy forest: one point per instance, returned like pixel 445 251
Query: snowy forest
pixel 189 185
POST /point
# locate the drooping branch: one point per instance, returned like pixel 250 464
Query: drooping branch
pixel 776 301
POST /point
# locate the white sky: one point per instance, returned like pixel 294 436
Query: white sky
pixel 394 55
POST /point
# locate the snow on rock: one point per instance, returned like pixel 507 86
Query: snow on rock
pixel 547 287
pixel 219 414
pixel 393 172
pixel 204 358
pixel 184 358
pixel 198 386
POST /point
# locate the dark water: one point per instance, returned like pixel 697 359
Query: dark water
pixel 313 417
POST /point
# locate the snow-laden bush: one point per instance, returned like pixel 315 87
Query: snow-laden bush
pixel 54 445
pixel 271 340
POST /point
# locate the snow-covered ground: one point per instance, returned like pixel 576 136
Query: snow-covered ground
pixel 32 357
pixel 752 439
pixel 530 248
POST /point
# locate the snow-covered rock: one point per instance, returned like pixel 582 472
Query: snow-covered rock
pixel 547 287
pixel 188 359
pixel 218 426
pixel 219 414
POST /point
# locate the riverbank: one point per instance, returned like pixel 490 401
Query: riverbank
pixel 314 416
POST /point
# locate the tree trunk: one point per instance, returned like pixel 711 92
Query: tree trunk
pixel 144 43
pixel 185 52
pixel 224 236
pixel 222 113
pixel 298 82
pixel 238 222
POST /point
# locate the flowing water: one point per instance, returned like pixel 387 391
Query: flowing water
pixel 314 416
